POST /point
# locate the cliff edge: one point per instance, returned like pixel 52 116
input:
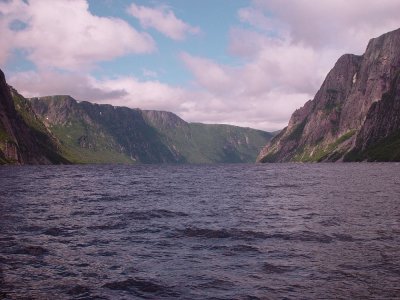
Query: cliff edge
pixel 355 110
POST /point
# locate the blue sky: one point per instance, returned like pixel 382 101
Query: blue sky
pixel 212 42
pixel 243 62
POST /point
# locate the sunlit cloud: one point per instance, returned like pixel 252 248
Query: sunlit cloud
pixel 163 19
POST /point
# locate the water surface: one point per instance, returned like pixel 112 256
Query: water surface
pixel 278 231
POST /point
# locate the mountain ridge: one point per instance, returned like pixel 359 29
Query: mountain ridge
pixel 61 130
pixel 159 136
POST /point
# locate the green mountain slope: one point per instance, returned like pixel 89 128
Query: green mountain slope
pixel 207 143
pixel 93 133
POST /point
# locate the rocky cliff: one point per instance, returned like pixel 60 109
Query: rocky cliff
pixel 23 137
pixel 355 111
pixel 379 137
pixel 93 133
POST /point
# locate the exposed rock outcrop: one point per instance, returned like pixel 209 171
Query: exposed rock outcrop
pixel 355 108
pixel 379 137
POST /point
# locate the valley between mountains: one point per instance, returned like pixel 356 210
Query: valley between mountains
pixel 355 116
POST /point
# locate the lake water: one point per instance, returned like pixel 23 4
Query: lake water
pixel 275 231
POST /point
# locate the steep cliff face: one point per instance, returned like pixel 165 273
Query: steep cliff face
pixel 92 133
pixel 379 136
pixel 23 137
pixel 338 121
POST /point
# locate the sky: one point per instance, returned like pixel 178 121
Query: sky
pixel 243 62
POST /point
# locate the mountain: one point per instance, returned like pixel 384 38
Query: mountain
pixel 23 137
pixel 355 115
pixel 61 130
pixel 94 133
pixel 207 143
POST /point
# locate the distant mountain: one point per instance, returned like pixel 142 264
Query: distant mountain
pixel 206 143
pixel 93 133
pixel 355 116
pixel 23 137
pixel 61 130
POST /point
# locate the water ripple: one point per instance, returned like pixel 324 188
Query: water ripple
pixel 287 231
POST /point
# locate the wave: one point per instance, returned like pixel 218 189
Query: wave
pixel 277 269
pixel 304 236
pixel 55 231
pixel 30 250
pixel 219 233
pixel 109 226
pixel 154 214
pixel 142 288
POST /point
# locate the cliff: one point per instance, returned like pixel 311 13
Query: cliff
pixel 23 137
pixel 355 109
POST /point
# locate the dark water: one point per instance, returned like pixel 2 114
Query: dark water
pixel 286 231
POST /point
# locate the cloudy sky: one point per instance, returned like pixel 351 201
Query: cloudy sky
pixel 243 62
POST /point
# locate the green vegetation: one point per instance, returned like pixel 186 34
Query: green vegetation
pixel 99 147
pixel 269 158
pixel 384 151
pixel 91 133
pixel 223 143
pixel 3 134
pixel 24 109
pixel 344 138
pixel 330 107
pixel 3 161
pixel 320 153
pixel 298 131
pixel 37 131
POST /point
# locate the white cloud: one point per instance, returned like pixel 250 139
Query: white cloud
pixel 45 83
pixel 191 105
pixel 324 24
pixel 163 19
pixel 209 74
pixel 64 34
pixel 121 91
pixel 150 94
pixel 286 49
pixel 261 93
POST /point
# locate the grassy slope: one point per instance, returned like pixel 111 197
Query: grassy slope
pixel 204 143
pixel 384 151
pixel 99 146
pixel 90 133
pixel 99 151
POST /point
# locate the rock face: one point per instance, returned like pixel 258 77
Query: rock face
pixel 354 114
pixel 93 133
pixel 379 137
pixel 23 138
